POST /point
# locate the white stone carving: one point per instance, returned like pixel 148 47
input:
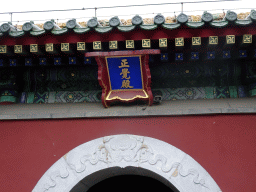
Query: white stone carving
pixel 127 150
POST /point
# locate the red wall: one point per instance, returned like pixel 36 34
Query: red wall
pixel 225 145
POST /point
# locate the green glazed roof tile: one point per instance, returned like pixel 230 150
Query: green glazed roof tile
pixel 243 22
pixel 126 28
pixel 195 24
pixel 182 19
pixel 148 27
pixel 81 30
pixel 103 29
pixel 219 24
pixel 16 33
pixel 59 31
pixel 171 26
pixel 36 33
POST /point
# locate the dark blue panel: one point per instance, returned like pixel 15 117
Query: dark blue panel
pixel 126 75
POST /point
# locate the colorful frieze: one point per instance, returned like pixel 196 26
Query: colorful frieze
pixel 230 39
pixel 179 42
pixel 57 61
pixel 129 44
pixel 17 48
pixel 146 43
pixel 211 55
pixel 113 45
pixel 194 55
pixel 163 42
pixel 247 38
pixel 242 53
pixel 213 40
pixel 42 61
pixel 179 56
pixel 65 47
pixel 33 48
pixel 28 61
pixel 49 47
pixel 97 45
pixel 3 48
pixel 87 60
pixel 81 46
pixel 196 40
pixel 226 54
pixel 164 56
pixel 72 60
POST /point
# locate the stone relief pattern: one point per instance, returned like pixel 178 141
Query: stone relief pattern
pixel 128 148
pixel 64 173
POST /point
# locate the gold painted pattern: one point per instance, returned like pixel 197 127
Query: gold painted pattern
pixel 196 40
pixel 213 40
pixel 179 41
pixel 17 48
pixel 247 38
pixel 81 46
pixel 97 45
pixel 130 44
pixel 230 39
pixel 146 43
pixel 3 48
pixel 113 45
pixel 49 47
pixel 163 42
pixel 33 48
pixel 64 46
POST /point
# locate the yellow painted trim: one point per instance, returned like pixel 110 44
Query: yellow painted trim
pixel 117 97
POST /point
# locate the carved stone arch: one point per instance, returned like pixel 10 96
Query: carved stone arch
pixel 159 157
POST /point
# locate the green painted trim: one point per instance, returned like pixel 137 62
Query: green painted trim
pixel 171 26
pixel 209 92
pixel 195 24
pixel 103 29
pixel 126 28
pixel 30 97
pixel 252 92
pixel 7 98
pixel 81 30
pixel 148 27
pixel 59 31
pixel 16 33
pixel 243 22
pixel 36 33
pixel 233 91
pixel 219 24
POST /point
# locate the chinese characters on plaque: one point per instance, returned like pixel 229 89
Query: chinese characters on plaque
pixel 124 73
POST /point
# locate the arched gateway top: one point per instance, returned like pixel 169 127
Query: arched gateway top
pixel 181 170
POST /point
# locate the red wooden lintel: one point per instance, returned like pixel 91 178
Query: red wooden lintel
pixel 121 53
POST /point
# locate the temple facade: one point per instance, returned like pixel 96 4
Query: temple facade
pixel 173 100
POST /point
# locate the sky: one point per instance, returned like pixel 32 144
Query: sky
pixel 106 13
